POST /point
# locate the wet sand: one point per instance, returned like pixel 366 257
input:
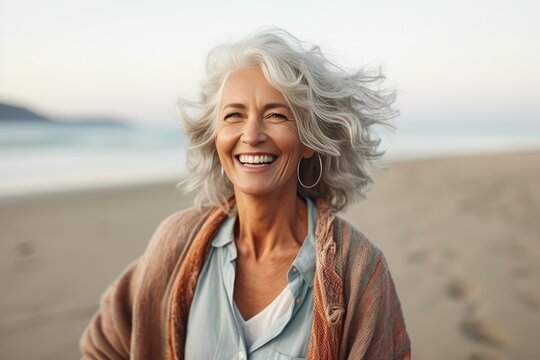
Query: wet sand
pixel 461 236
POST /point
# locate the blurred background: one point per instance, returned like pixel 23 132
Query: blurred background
pixel 91 149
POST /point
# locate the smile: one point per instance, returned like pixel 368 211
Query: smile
pixel 256 160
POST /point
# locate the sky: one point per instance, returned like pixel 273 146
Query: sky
pixel 450 61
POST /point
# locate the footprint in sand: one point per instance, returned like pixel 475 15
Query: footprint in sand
pixel 529 299
pixel 460 289
pixel 25 249
pixel 27 258
pixel 510 248
pixel 418 256
pixel 483 330
pixel 522 271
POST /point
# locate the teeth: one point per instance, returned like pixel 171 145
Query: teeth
pixel 257 159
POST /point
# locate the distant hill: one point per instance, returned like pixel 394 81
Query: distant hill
pixel 12 112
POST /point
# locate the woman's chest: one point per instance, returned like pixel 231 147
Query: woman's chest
pixel 212 319
pixel 258 284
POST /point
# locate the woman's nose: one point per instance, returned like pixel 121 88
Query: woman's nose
pixel 254 131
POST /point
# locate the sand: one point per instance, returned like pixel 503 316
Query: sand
pixel 461 236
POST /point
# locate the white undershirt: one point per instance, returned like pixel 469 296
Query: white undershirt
pixel 262 321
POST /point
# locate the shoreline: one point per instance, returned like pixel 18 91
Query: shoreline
pixel 144 181
pixel 88 189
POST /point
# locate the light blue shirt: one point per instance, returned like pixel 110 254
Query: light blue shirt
pixel 213 332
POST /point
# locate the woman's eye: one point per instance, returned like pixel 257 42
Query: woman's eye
pixel 277 116
pixel 232 115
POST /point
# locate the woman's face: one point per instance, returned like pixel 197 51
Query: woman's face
pixel 257 137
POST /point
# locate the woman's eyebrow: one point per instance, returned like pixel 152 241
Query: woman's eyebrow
pixel 265 107
pixel 275 105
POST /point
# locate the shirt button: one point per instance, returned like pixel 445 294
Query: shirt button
pixel 241 355
pixel 298 300
pixel 294 269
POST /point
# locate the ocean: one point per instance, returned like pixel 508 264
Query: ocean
pixel 42 157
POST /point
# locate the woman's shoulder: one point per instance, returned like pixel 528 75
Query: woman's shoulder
pixel 177 229
pixel 350 241
pixel 183 219
pixel 353 241
pixel 359 254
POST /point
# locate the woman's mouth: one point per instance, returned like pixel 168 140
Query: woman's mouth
pixel 256 160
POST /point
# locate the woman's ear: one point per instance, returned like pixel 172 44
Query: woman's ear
pixel 308 152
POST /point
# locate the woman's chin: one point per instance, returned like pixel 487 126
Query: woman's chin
pixel 255 191
pixel 260 187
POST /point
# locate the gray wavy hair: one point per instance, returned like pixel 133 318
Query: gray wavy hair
pixel 335 111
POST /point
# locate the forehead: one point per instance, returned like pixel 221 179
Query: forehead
pixel 247 85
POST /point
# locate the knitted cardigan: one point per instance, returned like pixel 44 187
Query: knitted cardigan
pixel 143 314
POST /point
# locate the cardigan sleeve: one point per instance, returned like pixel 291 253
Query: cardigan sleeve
pixel 376 329
pixel 108 334
pixel 131 304
pixel 373 327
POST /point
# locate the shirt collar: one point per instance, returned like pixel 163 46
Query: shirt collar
pixel 305 260
pixel 225 234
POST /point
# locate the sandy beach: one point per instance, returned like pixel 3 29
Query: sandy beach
pixel 461 236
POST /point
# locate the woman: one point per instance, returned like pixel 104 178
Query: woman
pixel 262 268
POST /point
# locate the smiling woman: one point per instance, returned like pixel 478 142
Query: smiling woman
pixel 262 267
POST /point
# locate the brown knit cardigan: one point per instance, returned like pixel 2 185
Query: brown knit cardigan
pixel 143 314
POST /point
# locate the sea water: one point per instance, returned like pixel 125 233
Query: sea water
pixel 435 139
pixel 44 157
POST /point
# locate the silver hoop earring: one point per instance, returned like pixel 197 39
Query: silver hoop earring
pixel 222 171
pixel 298 173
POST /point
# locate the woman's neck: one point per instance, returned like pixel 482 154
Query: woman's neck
pixel 267 224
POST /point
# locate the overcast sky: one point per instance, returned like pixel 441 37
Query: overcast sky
pixel 451 61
